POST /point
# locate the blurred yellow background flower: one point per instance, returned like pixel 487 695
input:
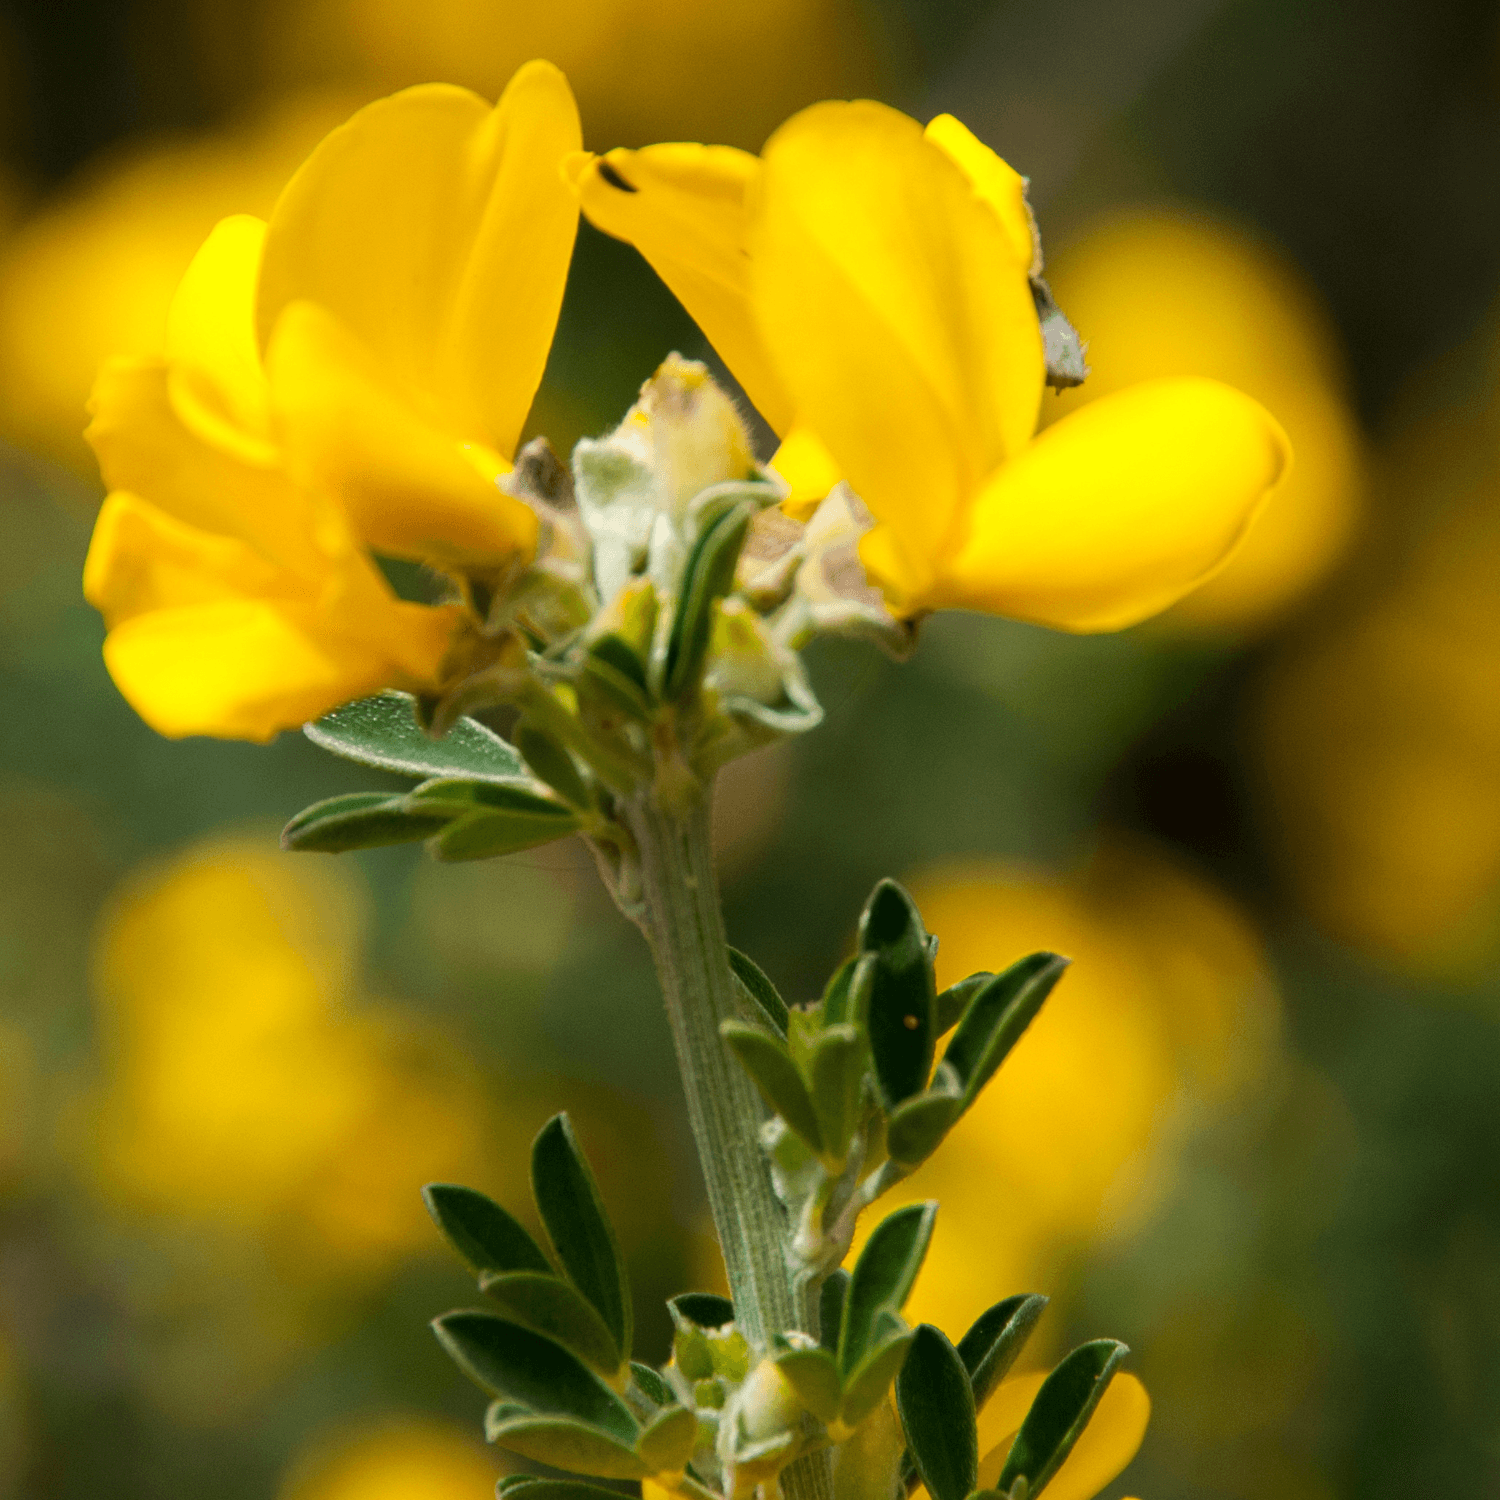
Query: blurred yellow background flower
pixel 399 1459
pixel 1167 1015
pixel 1164 292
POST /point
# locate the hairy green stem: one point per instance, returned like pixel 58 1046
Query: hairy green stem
pixel 683 922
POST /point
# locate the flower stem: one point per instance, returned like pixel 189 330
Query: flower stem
pixel 683 923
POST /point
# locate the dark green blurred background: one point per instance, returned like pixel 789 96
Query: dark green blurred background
pixel 1272 824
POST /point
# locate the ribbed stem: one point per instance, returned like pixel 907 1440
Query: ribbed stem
pixel 685 927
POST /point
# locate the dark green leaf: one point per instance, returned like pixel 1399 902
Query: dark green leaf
pixel 916 1127
pixel 495 819
pixel 614 649
pixel 954 1000
pixel 883 1277
pixel 550 763
pixel 836 1008
pixel 582 1236
pixel 457 796
pixel 903 996
pixel 761 991
pixel 481 1231
pixel 548 1304
pixel 667 1444
pixel 383 731
pixel 609 691
pixel 771 1067
pixel 530 1369
pixel 836 1071
pixel 564 1443
pixel 831 1308
pixel 998 1335
pixel 651 1385
pixel 1060 1412
pixel 814 1375
pixel 357 820
pixel 997 1017
pixel 865 1388
pixel 502 1411
pixel 707 576
pixel 936 1406
pixel 701 1309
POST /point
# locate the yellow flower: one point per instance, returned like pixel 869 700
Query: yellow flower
pixel 1162 294
pixel 869 284
pixel 350 379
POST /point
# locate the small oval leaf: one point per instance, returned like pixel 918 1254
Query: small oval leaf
pixel 666 1446
pixel 1059 1414
pixel 997 1017
pixel 954 1001
pixel 383 731
pixel 549 1305
pixel 883 1277
pixel 831 1308
pixel 550 763
pixel 531 1370
pixel 763 994
pixel 903 995
pixel 936 1406
pixel 568 1200
pixel 836 1073
pixel 865 1387
pixel 773 1072
pixel 564 1443
pixel 997 1336
pixel 357 820
pixel 481 1231
pixel 485 834
pixel 814 1375
pixel 707 577
pixel 916 1127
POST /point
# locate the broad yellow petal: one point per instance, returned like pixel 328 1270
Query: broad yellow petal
pixel 141 559
pixel 439 231
pixel 1106 1445
pixel 409 489
pixel 892 304
pixel 239 668
pixel 144 446
pixel 215 378
pixel 808 467
pixel 1119 510
pixel 685 208
pixel 995 181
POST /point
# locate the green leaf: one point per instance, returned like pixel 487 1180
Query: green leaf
pixel 701 1309
pixel 814 1375
pixel 883 1277
pixel 707 577
pixel 954 1000
pixel 651 1385
pixel 460 795
pixel 548 1304
pixel 997 1336
pixel 383 731
pixel 1060 1412
pixel 564 1443
pixel 530 1369
pixel 762 992
pixel 836 1072
pixel 568 1200
pixel 502 1411
pixel 604 673
pixel 357 820
pixel 903 997
pixel 916 1127
pixel 667 1444
pixel 550 763
pixel 774 1073
pixel 514 1486
pixel 836 1002
pixel 997 1017
pixel 489 820
pixel 936 1406
pixel 831 1298
pixel 614 649
pixel 487 1237
pixel 865 1388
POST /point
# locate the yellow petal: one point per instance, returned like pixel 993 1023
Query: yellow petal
pixel 808 467
pixel 237 669
pixel 995 181
pixel 144 446
pixel 684 207
pixel 1119 510
pixel 890 299
pixel 409 489
pixel 439 231
pixel 1106 1445
pixel 216 382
